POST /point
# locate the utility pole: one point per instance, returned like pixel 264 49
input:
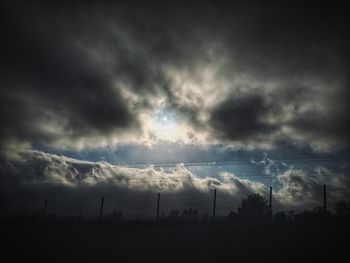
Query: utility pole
pixel 101 209
pixel 158 200
pixel 324 198
pixel 214 204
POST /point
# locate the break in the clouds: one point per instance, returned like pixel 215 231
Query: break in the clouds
pixel 250 74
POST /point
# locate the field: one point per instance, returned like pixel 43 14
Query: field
pixel 181 242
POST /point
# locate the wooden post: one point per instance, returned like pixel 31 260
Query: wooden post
pixel 324 198
pixel 158 200
pixel 214 204
pixel 101 209
pixel 270 201
pixel 45 208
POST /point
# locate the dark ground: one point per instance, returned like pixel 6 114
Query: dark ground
pixel 195 242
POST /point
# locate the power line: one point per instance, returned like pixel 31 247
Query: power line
pixel 233 162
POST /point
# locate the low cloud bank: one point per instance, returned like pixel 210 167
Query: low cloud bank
pixel 72 186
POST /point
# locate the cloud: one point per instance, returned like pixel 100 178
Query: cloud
pixel 241 117
pixel 71 185
pixel 89 76
pixel 38 175
pixel 56 93
pixel 300 188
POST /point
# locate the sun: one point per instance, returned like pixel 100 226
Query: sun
pixel 164 126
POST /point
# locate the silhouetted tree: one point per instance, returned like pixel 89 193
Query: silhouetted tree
pixel 342 208
pixel 320 211
pixel 254 207
pixel 174 214
pixel 318 214
pixel 280 217
pixel 115 215
pixel 291 215
pixel 304 216
pixel 184 214
pixel 232 216
pixel 195 215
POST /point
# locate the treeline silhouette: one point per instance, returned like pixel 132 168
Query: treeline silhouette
pixel 248 234
pixel 253 208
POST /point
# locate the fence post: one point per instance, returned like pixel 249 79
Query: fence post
pixel 101 209
pixel 324 198
pixel 214 204
pixel 270 201
pixel 158 200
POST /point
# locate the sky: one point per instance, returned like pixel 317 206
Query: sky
pixel 180 97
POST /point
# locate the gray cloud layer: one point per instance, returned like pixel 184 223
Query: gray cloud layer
pixel 246 74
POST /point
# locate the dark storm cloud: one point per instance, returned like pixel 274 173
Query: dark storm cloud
pixel 284 40
pixel 66 69
pixel 49 81
pixel 332 127
pixel 301 48
pixel 241 117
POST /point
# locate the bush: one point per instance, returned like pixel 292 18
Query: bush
pixel 342 208
pixel 254 207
